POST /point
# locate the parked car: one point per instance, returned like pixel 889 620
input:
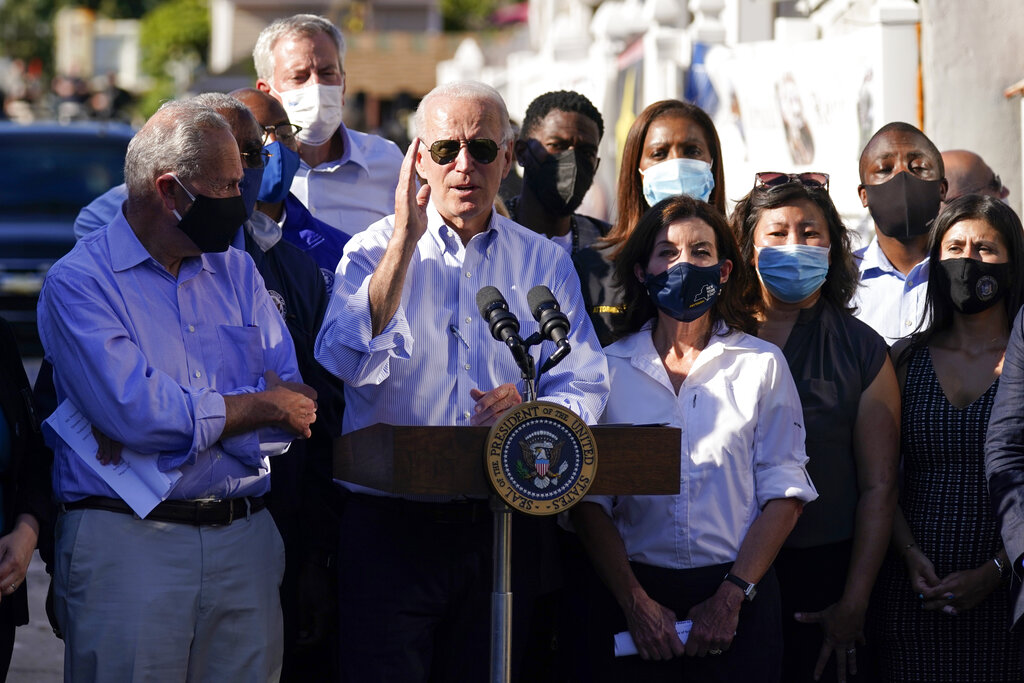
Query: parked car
pixel 50 171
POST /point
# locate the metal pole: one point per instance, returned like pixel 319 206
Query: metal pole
pixel 501 596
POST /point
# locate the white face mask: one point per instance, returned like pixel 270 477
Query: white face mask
pixel 674 177
pixel 315 107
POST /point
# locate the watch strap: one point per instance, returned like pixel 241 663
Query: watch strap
pixel 749 589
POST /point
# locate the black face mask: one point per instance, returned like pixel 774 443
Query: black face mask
pixel 212 223
pixel 904 207
pixel 975 286
pixel 560 181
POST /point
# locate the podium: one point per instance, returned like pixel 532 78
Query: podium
pixel 419 460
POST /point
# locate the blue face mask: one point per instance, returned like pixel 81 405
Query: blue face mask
pixel 792 272
pixel 674 177
pixel 685 291
pixel 277 176
pixel 249 188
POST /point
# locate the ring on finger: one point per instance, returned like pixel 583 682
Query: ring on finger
pixel 716 651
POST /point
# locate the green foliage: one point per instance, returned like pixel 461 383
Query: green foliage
pixel 26 29
pixel 174 30
pixel 467 15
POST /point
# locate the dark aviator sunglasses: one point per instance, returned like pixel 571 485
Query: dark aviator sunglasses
pixel 481 149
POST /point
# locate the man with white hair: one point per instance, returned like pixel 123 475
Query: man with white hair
pixel 404 332
pixel 166 341
pixel 346 178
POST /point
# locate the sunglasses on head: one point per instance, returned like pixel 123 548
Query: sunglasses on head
pixel 766 180
pixel 446 151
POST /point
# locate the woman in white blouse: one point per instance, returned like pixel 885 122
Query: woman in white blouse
pixel 703 555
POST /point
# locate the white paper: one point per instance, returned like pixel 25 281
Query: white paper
pixel 624 645
pixel 137 480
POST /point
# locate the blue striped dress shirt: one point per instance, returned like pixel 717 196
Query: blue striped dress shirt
pixel 420 369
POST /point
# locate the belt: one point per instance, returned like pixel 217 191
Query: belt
pixel 454 512
pixel 194 512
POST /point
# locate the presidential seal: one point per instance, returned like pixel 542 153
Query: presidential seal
pixel 541 458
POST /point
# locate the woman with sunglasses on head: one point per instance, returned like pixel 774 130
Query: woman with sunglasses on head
pixel 704 555
pixel 941 609
pixel 791 233
pixel 672 149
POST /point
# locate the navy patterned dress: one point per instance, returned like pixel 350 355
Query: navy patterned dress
pixel 945 500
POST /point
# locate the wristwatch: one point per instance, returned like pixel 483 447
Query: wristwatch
pixel 1004 571
pixel 749 589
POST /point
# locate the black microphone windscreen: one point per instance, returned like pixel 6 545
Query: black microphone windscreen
pixel 539 298
pixel 486 298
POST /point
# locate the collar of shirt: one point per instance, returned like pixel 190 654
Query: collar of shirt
pixel 639 349
pixel 448 241
pixel 873 263
pixel 353 154
pixel 264 230
pixel 127 252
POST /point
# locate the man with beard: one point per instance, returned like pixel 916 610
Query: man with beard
pixel 557 148
pixel 902 185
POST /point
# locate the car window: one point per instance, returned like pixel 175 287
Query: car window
pixel 60 175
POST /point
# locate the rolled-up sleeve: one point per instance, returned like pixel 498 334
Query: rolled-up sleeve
pixel 779 457
pixel 112 382
pixel 345 345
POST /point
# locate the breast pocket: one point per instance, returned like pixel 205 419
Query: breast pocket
pixel 240 356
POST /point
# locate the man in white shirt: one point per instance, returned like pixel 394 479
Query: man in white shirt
pixel 902 185
pixel 404 333
pixel 347 179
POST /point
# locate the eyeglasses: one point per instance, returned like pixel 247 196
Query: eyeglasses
pixel 766 180
pixel 256 158
pixel 446 151
pixel 285 132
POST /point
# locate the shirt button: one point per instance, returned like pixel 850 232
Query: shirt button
pixel 198 374
pixel 468 319
pixel 908 323
pixel 466 415
pixel 466 366
pixel 910 283
pixel 191 328
pixel 468 274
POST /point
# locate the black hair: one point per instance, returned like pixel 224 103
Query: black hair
pixel 843 276
pixel 560 100
pixel 939 308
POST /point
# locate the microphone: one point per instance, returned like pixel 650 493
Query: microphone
pixel 554 324
pixel 504 326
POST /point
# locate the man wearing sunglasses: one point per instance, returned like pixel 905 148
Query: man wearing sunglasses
pixel 967 173
pixel 346 178
pixel 902 186
pixel 404 332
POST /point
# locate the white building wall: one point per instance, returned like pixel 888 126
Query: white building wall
pixel 970 52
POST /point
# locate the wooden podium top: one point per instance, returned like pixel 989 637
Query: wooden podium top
pixel 450 460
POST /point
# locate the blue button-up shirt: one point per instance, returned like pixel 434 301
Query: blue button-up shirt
pixel 356 190
pixel 889 301
pixel 420 369
pixel 148 359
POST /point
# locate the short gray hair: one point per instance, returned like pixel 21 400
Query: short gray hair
pixel 236 113
pixel 464 90
pixel 299 24
pixel 172 141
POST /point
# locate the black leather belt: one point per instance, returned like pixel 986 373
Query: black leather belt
pixel 194 512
